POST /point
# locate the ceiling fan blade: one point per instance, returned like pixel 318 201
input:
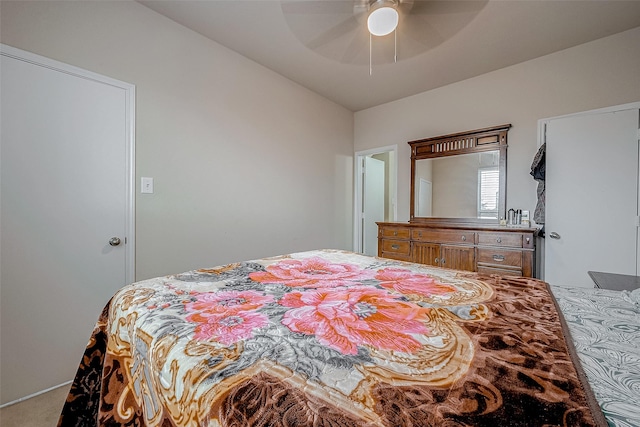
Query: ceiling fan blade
pixel 360 7
pixel 414 38
pixel 326 27
pixel 357 50
pixel 333 33
pixel 439 7
pixel 430 23
pixel 316 7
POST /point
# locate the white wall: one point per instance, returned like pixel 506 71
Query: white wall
pixel 598 74
pixel 246 163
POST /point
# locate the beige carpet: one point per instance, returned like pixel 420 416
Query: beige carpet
pixel 39 411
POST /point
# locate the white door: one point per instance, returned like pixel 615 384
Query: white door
pixel 373 209
pixel 66 153
pixel 591 196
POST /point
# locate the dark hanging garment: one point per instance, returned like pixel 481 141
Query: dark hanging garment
pixel 538 171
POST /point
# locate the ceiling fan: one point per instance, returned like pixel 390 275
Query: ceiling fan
pixel 338 30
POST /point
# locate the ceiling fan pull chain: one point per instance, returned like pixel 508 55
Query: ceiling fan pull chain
pixel 370 66
pixel 395 46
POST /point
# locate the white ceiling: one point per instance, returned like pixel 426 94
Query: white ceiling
pixel 460 39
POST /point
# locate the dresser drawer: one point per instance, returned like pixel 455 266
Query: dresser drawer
pixel 443 236
pixel 394 232
pixel 499 257
pixel 501 271
pixel 400 247
pixel 511 240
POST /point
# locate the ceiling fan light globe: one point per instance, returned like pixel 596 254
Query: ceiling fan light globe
pixel 382 21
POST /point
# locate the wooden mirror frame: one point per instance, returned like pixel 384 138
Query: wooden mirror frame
pixel 474 141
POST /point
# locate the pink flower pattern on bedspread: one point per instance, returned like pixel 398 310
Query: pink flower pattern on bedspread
pixel 343 315
pixel 410 283
pixel 230 328
pixel 212 303
pixel 345 318
pixel 336 309
pixel 312 272
pixel 227 317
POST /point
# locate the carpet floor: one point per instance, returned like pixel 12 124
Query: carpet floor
pixel 39 411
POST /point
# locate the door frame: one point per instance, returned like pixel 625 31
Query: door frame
pixel 130 96
pixel 359 190
pixel 542 138
pixel 542 122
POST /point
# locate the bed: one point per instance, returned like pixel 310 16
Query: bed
pixel 334 338
pixel 605 328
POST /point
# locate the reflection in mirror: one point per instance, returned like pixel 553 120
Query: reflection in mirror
pixel 461 186
pixel 460 178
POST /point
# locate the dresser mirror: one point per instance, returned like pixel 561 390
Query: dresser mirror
pixel 460 177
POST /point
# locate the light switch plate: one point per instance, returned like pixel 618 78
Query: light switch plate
pixel 146 185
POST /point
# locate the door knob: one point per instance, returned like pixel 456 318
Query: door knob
pixel 114 241
pixel 554 235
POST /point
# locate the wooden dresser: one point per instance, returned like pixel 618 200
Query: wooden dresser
pixel 486 249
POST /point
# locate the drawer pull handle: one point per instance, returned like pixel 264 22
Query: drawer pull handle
pixel 498 258
pixel 395 233
pixel 420 234
pixel 464 238
pixel 437 260
pixel 442 261
pixel 528 240
pixel 396 247
pixel 499 240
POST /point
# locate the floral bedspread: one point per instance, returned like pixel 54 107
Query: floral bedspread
pixel 330 338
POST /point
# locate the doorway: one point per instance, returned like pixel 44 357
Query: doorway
pixel 375 195
pixel 67 240
pixel 592 181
